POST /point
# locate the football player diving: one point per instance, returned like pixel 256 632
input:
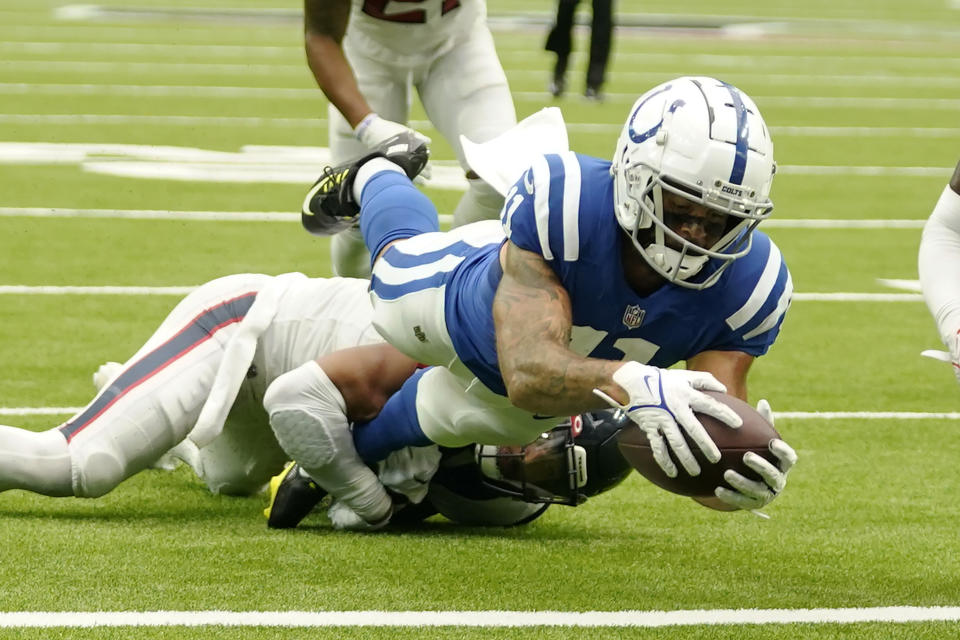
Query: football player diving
pixel 217 353
pixel 599 276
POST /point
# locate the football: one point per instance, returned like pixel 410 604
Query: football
pixel 755 435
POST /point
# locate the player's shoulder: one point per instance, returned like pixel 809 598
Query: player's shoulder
pixel 757 289
pixel 561 202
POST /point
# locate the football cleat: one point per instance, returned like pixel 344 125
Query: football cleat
pixel 292 497
pixel 329 206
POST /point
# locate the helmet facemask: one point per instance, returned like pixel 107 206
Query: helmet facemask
pixel 550 470
pixel 670 254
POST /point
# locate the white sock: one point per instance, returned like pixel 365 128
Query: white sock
pixel 367 171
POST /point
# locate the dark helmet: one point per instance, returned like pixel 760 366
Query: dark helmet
pixel 566 465
pixel 505 486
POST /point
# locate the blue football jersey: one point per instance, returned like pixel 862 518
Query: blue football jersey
pixel 562 209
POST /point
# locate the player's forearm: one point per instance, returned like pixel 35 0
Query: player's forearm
pixel 335 77
pixel 325 23
pixel 532 317
pixel 552 380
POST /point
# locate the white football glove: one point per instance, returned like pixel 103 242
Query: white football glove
pixel 409 470
pixel 662 402
pixel 373 130
pixel 952 356
pixel 755 494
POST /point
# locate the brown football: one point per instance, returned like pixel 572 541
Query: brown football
pixel 755 435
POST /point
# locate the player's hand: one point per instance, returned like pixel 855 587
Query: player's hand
pixel 756 494
pixel 343 518
pixel 408 471
pixel 662 402
pixel 952 356
pixel 374 130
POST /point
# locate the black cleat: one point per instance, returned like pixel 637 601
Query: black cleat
pixel 329 206
pixel 292 497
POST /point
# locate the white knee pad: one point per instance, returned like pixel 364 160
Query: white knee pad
pixel 308 417
pixel 480 202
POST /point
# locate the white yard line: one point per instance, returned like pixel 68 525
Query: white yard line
pixel 119 290
pixel 284 216
pixel 786 415
pixel 55 619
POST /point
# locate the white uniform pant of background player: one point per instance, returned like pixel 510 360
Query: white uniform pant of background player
pixel 313 318
pixel 454 408
pixel 464 91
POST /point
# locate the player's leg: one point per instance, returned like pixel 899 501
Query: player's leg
pixel 387 91
pixel 242 459
pixel 308 416
pixel 438 406
pixel 142 411
pixel 465 92
pixel 601 31
pixel 560 41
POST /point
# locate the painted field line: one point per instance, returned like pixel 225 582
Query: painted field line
pixel 283 216
pixel 86 291
pixel 792 415
pixel 111 290
pixel 187 120
pixel 52 619
pixel 129 214
pixel 858 297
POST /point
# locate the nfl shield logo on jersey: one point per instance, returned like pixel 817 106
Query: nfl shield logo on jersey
pixel 633 316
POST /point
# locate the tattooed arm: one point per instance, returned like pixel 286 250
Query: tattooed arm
pixel 532 318
pixel 324 24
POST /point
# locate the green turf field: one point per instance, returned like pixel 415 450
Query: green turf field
pixel 863 101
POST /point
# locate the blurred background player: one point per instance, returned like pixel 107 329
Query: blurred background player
pixel 368 55
pixel 939 267
pixel 560 41
pixel 651 258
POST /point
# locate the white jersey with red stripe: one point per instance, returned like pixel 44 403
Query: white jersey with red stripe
pixel 152 402
pixel 408 32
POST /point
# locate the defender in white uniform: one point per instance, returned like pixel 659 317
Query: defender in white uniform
pixel 939 266
pixel 151 402
pixel 368 55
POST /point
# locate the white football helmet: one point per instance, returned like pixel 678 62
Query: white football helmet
pixel 706 141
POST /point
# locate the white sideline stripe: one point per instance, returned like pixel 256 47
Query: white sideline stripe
pixel 283 216
pixel 792 415
pixel 49 619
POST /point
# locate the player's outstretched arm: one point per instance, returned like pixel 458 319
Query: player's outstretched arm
pixel 533 319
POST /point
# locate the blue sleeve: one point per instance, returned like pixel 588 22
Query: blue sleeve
pixel 762 290
pixel 541 210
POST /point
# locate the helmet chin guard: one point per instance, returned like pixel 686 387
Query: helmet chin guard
pixel 704 140
pixel 566 465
